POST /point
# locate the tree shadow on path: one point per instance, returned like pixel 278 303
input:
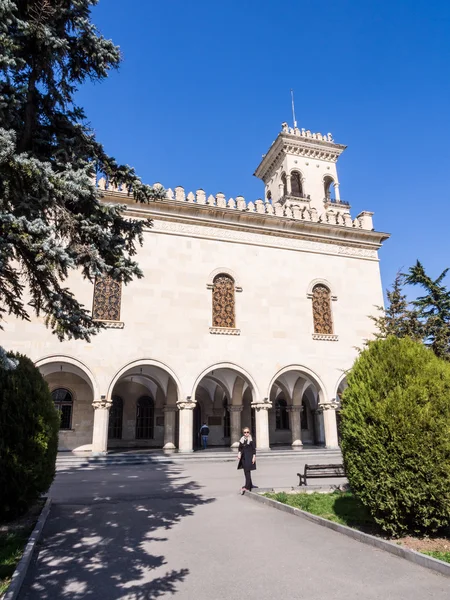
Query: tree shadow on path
pixel 105 538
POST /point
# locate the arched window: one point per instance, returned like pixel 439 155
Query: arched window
pixel 115 419
pixel 107 298
pixel 223 305
pixel 145 417
pixel 321 301
pixel 63 403
pixel 281 414
pixel 328 184
pixel 296 184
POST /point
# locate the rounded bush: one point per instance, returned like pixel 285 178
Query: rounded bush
pixel 395 436
pixel 29 425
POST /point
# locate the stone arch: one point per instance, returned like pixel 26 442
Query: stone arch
pixel 329 183
pixel 320 281
pixel 297 183
pixel 145 362
pixel 297 383
pixel 49 365
pixel 340 386
pixel 233 367
pixel 225 380
pixel 67 372
pixel 155 380
pixel 308 373
pixel 225 271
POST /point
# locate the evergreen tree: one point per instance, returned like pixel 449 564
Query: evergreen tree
pixel 433 309
pixel 52 220
pixel 398 318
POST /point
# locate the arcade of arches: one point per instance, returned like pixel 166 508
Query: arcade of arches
pixel 143 408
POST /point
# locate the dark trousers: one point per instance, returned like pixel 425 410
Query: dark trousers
pixel 248 480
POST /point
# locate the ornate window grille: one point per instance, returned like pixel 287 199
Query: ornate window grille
pixel 321 302
pixel 63 403
pixel 223 302
pixel 115 419
pixel 281 414
pixel 107 299
pixel 145 418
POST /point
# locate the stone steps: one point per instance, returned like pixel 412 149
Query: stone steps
pixel 73 461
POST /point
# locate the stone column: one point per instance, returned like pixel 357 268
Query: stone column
pixel 186 422
pixel 235 424
pixel 262 424
pixel 329 423
pixel 336 192
pixel 100 429
pixel 288 185
pixel 296 428
pixel 169 427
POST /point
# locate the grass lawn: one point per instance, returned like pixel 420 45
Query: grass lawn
pixel 341 507
pixel 344 508
pixel 12 546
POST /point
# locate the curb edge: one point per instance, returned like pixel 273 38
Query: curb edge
pixel 22 568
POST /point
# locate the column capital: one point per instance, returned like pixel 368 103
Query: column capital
pixel 238 408
pixel 186 405
pixel 294 408
pixel 170 408
pixel 333 405
pixel 261 405
pixel 102 403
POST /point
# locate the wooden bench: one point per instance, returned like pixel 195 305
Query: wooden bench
pixel 317 471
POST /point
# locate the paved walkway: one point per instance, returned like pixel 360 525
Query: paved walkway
pixel 183 531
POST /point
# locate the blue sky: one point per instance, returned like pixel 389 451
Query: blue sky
pixel 204 87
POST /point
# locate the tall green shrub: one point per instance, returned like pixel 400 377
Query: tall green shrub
pixel 395 431
pixel 29 425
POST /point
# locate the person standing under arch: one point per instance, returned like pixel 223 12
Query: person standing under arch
pixel 204 432
pixel 247 458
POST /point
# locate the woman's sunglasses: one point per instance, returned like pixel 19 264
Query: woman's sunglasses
pixel 246 432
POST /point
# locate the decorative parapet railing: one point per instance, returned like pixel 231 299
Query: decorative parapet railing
pixel 295 208
pixel 306 133
pixel 337 203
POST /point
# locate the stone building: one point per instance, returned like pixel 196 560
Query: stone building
pixel 248 315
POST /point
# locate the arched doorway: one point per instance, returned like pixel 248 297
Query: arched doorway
pixel 147 408
pixel 73 391
pixel 223 398
pixel 295 418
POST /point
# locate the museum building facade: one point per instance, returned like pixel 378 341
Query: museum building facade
pixel 248 314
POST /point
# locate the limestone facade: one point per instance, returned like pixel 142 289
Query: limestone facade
pixel 248 315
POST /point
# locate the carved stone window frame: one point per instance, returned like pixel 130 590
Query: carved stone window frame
pixel 237 288
pixel 328 337
pixel 108 323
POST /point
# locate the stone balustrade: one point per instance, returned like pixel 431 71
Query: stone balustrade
pixel 306 133
pixel 332 215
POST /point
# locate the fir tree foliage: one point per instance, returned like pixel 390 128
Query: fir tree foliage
pixel 52 220
pixel 398 318
pixel 395 435
pixel 433 309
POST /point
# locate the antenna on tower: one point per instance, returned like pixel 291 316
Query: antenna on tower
pixel 293 109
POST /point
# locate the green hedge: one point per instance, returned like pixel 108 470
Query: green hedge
pixel 395 431
pixel 29 425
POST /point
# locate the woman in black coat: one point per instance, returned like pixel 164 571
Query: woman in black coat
pixel 247 458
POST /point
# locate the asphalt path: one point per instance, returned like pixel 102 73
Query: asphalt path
pixel 182 531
